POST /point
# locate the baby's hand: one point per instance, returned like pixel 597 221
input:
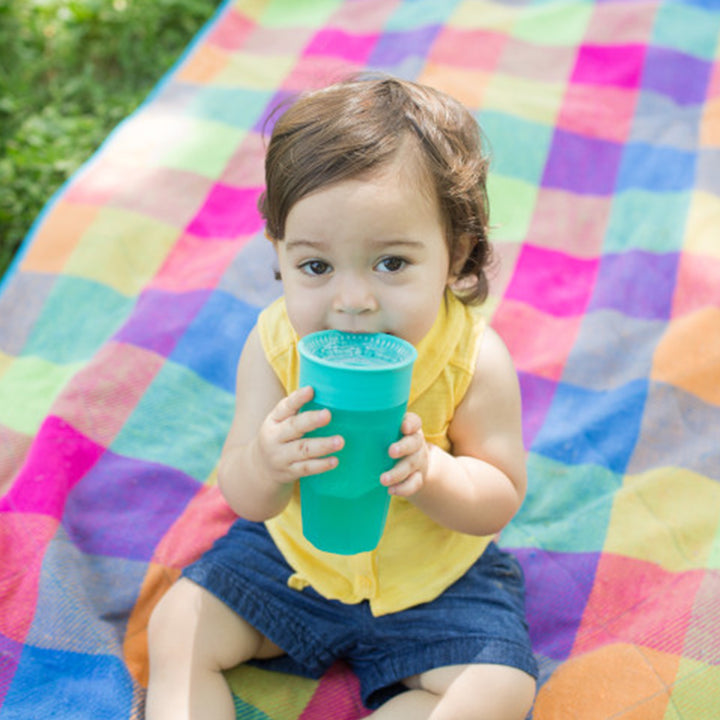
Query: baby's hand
pixel 408 475
pixel 285 452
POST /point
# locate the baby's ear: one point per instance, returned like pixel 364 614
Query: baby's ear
pixel 460 254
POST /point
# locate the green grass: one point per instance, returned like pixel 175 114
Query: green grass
pixel 70 71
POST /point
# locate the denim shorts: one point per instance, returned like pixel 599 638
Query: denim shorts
pixel 478 619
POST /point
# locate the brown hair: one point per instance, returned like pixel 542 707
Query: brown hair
pixel 352 128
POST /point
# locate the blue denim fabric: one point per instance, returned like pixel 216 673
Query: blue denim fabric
pixel 479 619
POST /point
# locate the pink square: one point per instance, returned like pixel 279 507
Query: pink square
pixel 195 264
pixel 101 182
pixel 539 343
pixel 618 65
pixel 553 282
pixel 337 43
pixel 57 460
pixel 205 518
pixel 604 112
pixel 228 213
pixel 654 610
pixel 247 164
pixel 697 284
pixel 560 215
pixel 476 49
pixel 102 396
pixel 230 31
pixel 312 72
pixel 23 539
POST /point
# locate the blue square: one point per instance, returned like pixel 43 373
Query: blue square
pixel 212 344
pixel 62 684
pixel 590 427
pixel 656 168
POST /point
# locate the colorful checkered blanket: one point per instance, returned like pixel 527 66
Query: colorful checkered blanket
pixel 122 320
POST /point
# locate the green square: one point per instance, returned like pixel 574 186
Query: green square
pixel 567 508
pixel 692 30
pixel 512 203
pixel 642 220
pixel 518 148
pixel 276 695
pixel 291 13
pixel 205 148
pixel 180 421
pixel 554 23
pixel 78 317
pixel 28 389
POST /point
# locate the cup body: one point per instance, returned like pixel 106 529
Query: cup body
pixel 364 380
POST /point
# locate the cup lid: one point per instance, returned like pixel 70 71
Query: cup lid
pixel 357 370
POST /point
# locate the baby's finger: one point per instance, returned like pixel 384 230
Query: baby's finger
pixel 298 425
pixel 407 487
pixel 406 445
pixel 291 404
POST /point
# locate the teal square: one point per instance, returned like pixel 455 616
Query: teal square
pixel 690 29
pixel 412 14
pixel 644 220
pixel 180 421
pixel 567 507
pixel 236 107
pixel 78 317
pixel 518 147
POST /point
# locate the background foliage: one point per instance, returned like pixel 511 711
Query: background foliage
pixel 70 70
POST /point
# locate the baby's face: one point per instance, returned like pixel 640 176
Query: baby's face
pixel 366 255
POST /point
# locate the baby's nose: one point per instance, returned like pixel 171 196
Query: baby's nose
pixel 354 296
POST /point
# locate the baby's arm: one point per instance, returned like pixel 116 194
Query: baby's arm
pixel 480 486
pixel 266 451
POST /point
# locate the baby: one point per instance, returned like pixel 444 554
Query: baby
pixel 377 208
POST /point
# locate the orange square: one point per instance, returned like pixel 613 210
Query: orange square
pixel 467 86
pixel 57 236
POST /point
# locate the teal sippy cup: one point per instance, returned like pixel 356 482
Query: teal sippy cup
pixel 364 380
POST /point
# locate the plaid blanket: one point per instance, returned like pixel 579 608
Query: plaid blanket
pixel 123 317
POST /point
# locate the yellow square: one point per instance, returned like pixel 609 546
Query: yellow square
pixel 122 249
pixel 524 97
pixel 703 223
pixel 486 15
pixel 667 516
pixel 255 72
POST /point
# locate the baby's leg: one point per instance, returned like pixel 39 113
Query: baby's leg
pixel 193 637
pixel 464 692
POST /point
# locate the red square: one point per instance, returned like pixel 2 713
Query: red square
pixel 638 602
pixel 476 49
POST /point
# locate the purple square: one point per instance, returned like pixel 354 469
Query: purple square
pixel 558 587
pixel 394 48
pixel 160 318
pixel 637 283
pixel 124 506
pixel 680 76
pixel 581 164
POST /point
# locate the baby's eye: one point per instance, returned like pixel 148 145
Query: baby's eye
pixel 391 264
pixel 315 267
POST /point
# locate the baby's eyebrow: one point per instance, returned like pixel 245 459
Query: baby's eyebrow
pixel 302 243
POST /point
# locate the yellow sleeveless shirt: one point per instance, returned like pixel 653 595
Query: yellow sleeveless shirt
pixel 416 559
